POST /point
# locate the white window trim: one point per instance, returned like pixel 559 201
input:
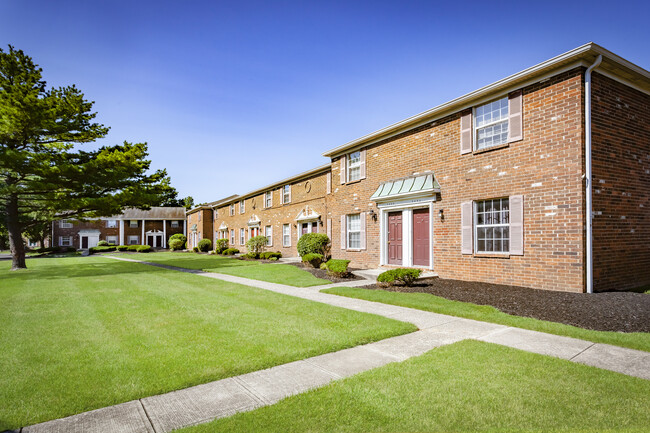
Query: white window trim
pixel 477 226
pixel 67 244
pixel 268 199
pixel 242 236
pixel 286 192
pixel 65 224
pixel 111 224
pixel 113 238
pixel 348 231
pixel 232 236
pixel 136 237
pixel 475 129
pixel 242 207
pixel 232 209
pixel 268 232
pixel 175 224
pixel 131 224
pixel 349 166
pixel 287 235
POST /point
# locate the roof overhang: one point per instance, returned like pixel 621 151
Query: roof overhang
pixel 254 221
pixel 420 186
pixel 613 66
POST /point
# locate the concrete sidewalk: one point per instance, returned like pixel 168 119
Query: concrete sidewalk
pixel 203 403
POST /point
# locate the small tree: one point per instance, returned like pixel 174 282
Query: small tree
pixel 313 243
pixel 256 244
pixel 221 246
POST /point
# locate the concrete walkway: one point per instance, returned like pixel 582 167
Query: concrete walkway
pixel 203 403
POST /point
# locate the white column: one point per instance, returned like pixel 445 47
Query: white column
pixel 382 237
pixel 164 234
pixel 121 232
pixel 142 240
pixel 407 237
pixel 185 227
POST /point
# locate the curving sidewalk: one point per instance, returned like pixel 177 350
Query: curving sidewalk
pixel 222 398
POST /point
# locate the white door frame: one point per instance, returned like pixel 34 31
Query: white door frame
pixel 159 242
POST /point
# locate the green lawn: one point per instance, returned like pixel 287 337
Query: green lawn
pixel 486 313
pixel 271 272
pixel 467 386
pixel 87 332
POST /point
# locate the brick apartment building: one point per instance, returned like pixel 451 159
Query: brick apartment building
pixel 494 186
pixel 200 222
pixel 133 227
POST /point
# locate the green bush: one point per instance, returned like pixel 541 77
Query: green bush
pixel 313 259
pixel 251 255
pixel 132 247
pixel 273 259
pixel 144 248
pixel 179 236
pixel 399 275
pixel 195 249
pixel 256 244
pixel 122 247
pixel 102 249
pixel 337 267
pixel 176 244
pixel 269 255
pixel 70 249
pixel 313 243
pixel 102 244
pixel 205 245
pixel 221 246
pixel 230 251
pixel 323 266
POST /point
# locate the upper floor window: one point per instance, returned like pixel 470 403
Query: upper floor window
pixel 354 166
pixel 492 226
pixel 175 224
pixel 242 206
pixel 232 209
pixel 65 224
pixel 354 231
pixel 286 194
pixel 268 199
pixel 111 224
pixel 491 124
pixel 133 223
pixel 199 216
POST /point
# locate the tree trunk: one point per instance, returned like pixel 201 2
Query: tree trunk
pixel 16 244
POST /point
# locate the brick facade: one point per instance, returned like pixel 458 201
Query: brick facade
pixel 199 225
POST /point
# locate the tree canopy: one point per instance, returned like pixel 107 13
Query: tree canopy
pixel 43 172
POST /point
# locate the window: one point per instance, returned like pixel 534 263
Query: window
pixel 354 166
pixel 286 235
pixel 492 226
pixel 133 223
pixel 199 216
pixel 491 124
pixel 242 236
pixel 65 224
pixel 354 231
pixel 268 232
pixel 286 194
pixel 175 224
pixel 232 236
pixel 232 209
pixel 134 240
pixel 111 224
pixel 32 243
pixel 268 199
pixel 65 241
pixel 216 214
pixel 111 240
pixel 242 206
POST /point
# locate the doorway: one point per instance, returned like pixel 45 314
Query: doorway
pixel 395 238
pixel 421 237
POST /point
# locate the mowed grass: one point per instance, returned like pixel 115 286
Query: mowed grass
pixel 83 333
pixel 487 313
pixel 467 386
pixel 270 272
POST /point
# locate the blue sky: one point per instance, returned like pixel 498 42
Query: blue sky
pixel 234 95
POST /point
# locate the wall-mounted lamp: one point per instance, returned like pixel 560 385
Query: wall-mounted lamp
pixel 373 215
pixel 320 221
pixel 441 215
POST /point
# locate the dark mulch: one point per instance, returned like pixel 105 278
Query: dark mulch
pixel 607 311
pixel 321 273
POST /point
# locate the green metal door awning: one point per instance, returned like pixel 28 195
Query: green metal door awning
pixel 414 186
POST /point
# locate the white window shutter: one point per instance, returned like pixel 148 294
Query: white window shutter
pixel 467 217
pixel 344 233
pixel 329 228
pixel 466 132
pixel 329 182
pixel 282 195
pixel 362 218
pixel 517 225
pixel 271 235
pixel 515 124
pixel 290 193
pixel 362 167
pixel 343 173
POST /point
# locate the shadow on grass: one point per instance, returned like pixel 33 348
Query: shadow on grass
pixel 189 261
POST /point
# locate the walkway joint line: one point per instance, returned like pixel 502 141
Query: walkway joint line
pixel 153 427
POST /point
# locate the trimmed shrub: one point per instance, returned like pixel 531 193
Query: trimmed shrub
pixel 179 236
pixel 323 266
pixel 251 256
pixel 399 275
pixel 102 249
pixel 195 249
pixel 230 251
pixel 337 267
pixel 256 244
pixel 313 259
pixel 176 244
pixel 122 247
pixel 270 255
pixel 102 244
pixel 221 246
pixel 144 248
pixel 205 245
pixel 132 247
pixel 275 259
pixel 313 243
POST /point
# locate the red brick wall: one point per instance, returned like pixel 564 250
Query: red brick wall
pixel 104 231
pixel 545 167
pixel 203 218
pixel 621 182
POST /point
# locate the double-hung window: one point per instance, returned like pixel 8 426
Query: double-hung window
pixel 65 224
pixel 242 236
pixel 111 240
pixel 286 235
pixel 175 224
pixel 111 224
pixel 65 241
pixel 232 236
pixel 242 207
pixel 268 199
pixel 491 124
pixel 268 232
pixel 354 166
pixel 492 226
pixel 286 194
pixel 232 209
pixel 134 240
pixel 133 223
pixel 354 231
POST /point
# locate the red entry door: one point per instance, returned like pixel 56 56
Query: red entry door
pixel 305 229
pixel 395 238
pixel 421 237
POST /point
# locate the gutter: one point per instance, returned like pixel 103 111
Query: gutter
pixel 588 179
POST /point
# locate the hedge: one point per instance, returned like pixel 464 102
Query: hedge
pixel 313 243
pixel 401 275
pixel 122 247
pixel 102 249
pixel 230 251
pixel 270 255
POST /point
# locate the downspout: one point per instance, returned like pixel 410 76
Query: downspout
pixel 590 214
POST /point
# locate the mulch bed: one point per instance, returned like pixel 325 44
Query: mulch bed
pixel 322 273
pixel 607 311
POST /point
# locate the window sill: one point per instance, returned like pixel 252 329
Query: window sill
pixel 492 255
pixel 353 182
pixel 354 250
pixel 491 148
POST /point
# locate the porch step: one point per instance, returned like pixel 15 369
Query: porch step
pixel 372 274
